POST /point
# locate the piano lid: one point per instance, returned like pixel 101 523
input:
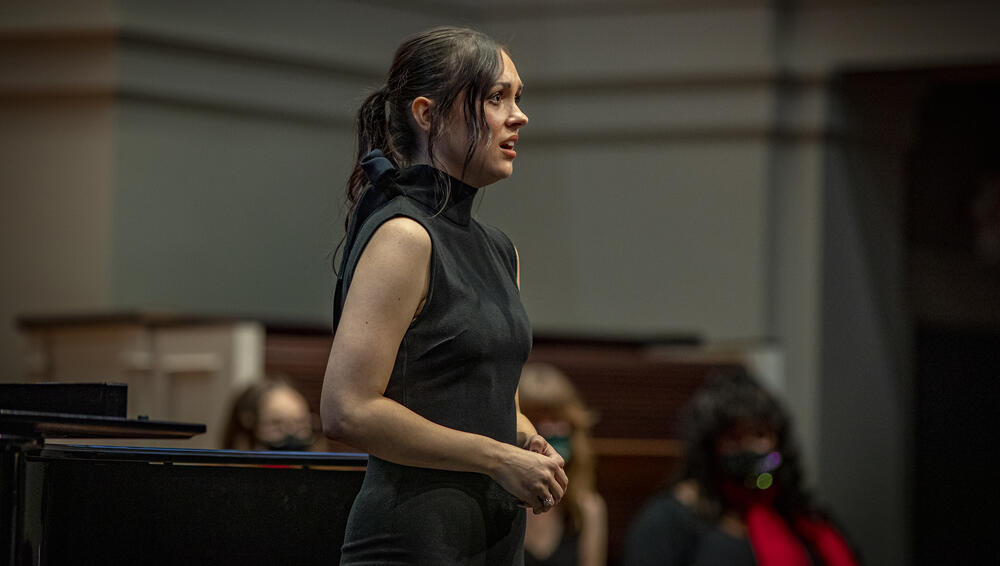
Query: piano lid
pixel 37 424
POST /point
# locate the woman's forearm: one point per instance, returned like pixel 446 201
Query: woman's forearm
pixel 389 430
pixel 525 429
pixel 393 432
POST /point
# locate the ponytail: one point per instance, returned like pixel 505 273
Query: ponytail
pixel 372 127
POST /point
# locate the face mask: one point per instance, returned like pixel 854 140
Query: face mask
pixel 748 478
pixel 290 443
pixel 753 468
pixel 562 445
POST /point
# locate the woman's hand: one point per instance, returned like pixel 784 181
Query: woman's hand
pixel 537 443
pixel 535 478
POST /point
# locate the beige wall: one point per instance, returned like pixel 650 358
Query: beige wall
pixel 55 170
pixel 56 146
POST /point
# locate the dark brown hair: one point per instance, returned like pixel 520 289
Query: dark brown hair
pixel 449 65
pixel 728 399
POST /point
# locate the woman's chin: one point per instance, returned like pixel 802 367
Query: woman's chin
pixel 488 176
pixel 503 172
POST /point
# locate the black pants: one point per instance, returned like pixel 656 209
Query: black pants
pixel 407 515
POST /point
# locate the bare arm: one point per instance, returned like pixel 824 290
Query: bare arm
pixel 594 531
pixel 525 430
pixel 388 287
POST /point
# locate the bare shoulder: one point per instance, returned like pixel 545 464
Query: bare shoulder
pixel 389 284
pixel 394 263
pixel 400 244
pixel 402 232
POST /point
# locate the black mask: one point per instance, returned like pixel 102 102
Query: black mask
pixel 747 466
pixel 290 443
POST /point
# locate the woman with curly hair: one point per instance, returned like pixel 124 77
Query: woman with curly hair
pixel 738 499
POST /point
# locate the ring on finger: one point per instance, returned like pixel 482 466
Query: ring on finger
pixel 548 502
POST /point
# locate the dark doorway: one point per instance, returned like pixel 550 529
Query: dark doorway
pixel 953 246
pixel 957 401
pixel 912 309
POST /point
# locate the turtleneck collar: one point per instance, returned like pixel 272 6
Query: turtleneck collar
pixel 422 183
pixel 428 186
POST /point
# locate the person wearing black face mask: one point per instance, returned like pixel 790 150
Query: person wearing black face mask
pixel 738 499
pixel 270 415
pixel 290 443
pixel 574 533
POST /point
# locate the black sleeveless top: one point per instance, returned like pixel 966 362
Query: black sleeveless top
pixel 458 365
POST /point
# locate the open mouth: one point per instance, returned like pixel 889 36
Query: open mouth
pixel 508 148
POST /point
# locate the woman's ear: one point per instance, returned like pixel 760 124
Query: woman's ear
pixel 421 110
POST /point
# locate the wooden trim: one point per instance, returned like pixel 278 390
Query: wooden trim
pixel 668 135
pixel 199 48
pixel 124 318
pixel 273 57
pixel 527 9
pixel 56 94
pixel 723 80
pixel 49 35
pixel 238 108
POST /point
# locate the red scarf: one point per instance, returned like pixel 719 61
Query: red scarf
pixel 775 543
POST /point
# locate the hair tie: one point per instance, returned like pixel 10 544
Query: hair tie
pixel 375 164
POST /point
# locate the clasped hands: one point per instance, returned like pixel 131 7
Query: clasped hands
pixel 544 478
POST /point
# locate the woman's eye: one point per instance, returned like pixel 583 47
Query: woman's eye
pixel 495 97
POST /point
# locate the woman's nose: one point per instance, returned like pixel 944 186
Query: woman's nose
pixel 517 118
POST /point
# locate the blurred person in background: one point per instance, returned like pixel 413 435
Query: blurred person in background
pixel 271 415
pixel 575 533
pixel 738 499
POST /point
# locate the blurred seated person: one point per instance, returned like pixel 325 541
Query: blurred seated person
pixel 738 500
pixel 574 533
pixel 271 414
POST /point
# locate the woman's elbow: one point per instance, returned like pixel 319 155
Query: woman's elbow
pixel 336 418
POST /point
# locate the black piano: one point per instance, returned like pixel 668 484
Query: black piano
pixel 109 505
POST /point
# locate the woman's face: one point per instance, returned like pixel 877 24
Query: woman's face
pixel 746 438
pixel 494 157
pixel 283 413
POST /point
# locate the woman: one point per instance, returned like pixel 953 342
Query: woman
pixel 271 415
pixel 576 532
pixel 431 336
pixel 739 499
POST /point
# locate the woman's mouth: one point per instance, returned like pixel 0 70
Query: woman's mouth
pixel 507 148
